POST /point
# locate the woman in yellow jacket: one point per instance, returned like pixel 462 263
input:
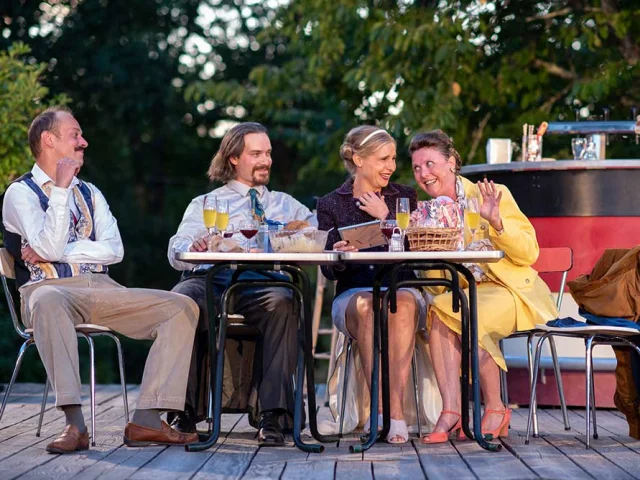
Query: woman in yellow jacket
pixel 511 296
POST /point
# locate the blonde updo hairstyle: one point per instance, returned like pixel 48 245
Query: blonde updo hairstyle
pixel 358 142
pixel 439 141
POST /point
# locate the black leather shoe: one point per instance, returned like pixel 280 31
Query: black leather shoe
pixel 184 422
pixel 269 433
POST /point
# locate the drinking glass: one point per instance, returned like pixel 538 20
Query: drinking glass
pixel 222 215
pixel 578 146
pixel 402 213
pixel 472 215
pixel 387 226
pixel 249 229
pixel 230 230
pixel 209 211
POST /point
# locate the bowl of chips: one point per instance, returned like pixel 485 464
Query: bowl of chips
pixel 306 240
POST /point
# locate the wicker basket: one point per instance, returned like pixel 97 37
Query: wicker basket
pixel 430 239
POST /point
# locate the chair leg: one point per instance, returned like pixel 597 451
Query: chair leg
pixel 123 380
pixel 559 383
pixel 533 406
pixel 416 388
pixel 593 404
pixel 332 362
pixel 534 381
pixel 345 385
pixel 92 387
pixel 504 389
pixel 16 369
pixel 589 367
pixel 43 405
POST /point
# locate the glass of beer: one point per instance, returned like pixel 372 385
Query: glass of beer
pixel 222 215
pixel 472 215
pixel 209 212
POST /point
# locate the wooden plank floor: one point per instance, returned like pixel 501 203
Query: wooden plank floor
pixel 557 454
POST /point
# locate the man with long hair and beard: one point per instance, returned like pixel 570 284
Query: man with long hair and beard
pixel 243 164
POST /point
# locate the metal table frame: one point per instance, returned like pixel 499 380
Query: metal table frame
pixel 300 286
pixel 443 261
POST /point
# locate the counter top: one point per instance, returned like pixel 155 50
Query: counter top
pixel 552 165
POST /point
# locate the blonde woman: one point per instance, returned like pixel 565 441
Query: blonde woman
pixel 369 155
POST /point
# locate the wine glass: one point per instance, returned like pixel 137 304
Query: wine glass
pixel 387 226
pixel 230 230
pixel 472 215
pixel 222 215
pixel 209 211
pixel 403 213
pixel 249 229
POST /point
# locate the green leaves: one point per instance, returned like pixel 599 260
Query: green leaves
pixel 22 96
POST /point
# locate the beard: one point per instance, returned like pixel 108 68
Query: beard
pixel 260 175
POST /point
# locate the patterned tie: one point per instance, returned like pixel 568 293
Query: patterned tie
pixel 256 207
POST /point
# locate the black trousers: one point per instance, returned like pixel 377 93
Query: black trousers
pixel 271 311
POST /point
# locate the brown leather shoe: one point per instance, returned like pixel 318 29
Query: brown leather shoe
pixel 139 436
pixel 69 441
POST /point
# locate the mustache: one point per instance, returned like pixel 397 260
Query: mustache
pixel 80 149
pixel 261 167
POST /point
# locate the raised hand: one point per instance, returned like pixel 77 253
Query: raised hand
pixel 66 169
pixel 374 205
pixel 490 208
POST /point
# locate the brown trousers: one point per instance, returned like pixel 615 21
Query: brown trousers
pixel 53 307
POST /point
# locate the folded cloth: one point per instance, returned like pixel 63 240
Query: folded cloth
pixel 569 322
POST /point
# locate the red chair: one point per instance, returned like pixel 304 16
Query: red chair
pixel 550 260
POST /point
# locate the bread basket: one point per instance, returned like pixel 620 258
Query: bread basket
pixel 433 239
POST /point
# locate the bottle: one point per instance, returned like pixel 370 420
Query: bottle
pixel 396 243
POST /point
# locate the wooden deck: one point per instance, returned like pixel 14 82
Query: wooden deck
pixel 556 455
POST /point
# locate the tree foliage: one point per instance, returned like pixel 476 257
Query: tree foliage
pixel 22 96
pixel 476 69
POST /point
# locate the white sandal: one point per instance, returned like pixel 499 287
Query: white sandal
pixel 399 429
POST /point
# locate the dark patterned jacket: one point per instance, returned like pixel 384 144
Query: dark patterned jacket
pixel 339 209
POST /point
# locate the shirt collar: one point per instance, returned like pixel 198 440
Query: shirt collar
pixel 41 177
pixel 243 190
pixel 347 189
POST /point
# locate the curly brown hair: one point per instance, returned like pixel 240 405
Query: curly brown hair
pixel 439 141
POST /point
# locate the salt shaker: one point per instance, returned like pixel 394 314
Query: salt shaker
pixel 395 242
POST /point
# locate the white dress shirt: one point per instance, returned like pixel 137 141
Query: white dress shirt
pixel 278 206
pixel 47 232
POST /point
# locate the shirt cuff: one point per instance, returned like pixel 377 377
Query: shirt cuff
pixel 59 195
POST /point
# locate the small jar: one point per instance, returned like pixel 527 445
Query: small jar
pixel 396 243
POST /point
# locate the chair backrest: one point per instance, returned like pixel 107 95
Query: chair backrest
pixel 555 260
pixel 7 272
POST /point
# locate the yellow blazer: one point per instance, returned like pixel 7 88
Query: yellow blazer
pixel 534 301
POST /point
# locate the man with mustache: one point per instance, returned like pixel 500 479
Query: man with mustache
pixel 243 164
pixel 62 236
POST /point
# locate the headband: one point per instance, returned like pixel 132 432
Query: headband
pixel 371 135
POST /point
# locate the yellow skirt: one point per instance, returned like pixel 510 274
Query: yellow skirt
pixel 496 316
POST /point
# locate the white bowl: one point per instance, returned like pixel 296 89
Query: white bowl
pixel 302 241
